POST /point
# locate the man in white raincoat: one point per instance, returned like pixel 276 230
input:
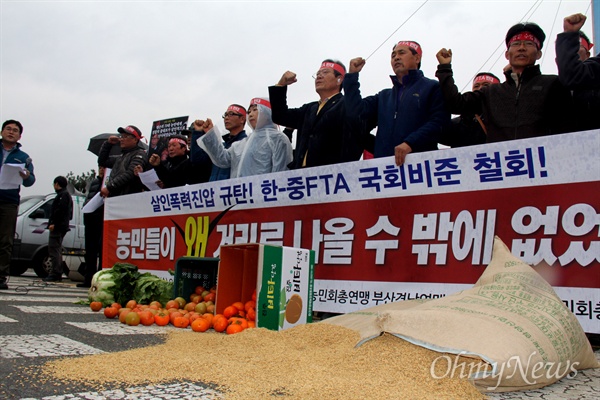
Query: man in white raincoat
pixel 265 150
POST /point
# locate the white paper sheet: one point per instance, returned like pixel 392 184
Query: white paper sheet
pixel 94 203
pixel 10 177
pixel 149 179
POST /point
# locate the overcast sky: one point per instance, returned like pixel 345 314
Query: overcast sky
pixel 70 70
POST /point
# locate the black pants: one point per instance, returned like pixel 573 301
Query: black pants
pixel 8 222
pixel 55 252
pixel 93 223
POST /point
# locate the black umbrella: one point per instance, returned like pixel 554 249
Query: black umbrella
pixel 96 143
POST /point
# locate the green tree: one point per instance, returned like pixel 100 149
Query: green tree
pixel 81 182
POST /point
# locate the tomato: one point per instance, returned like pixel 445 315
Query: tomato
pixel 234 328
pixel 200 325
pixel 181 322
pixel 220 323
pixel 161 319
pixel 96 305
pixel 230 311
pixel 110 312
pixel 132 318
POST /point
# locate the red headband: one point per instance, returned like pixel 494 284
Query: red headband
pixel 258 100
pixel 413 45
pixel 336 67
pixel 178 140
pixel 586 45
pixel 485 78
pixel 525 36
pixel 237 109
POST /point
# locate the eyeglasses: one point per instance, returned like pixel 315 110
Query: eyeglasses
pixel 231 114
pixel 519 43
pixel 321 72
pixel 9 129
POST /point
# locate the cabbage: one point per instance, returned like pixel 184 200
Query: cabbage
pixel 149 287
pixel 102 287
pixel 114 285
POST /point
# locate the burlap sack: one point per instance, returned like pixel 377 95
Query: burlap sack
pixel 511 318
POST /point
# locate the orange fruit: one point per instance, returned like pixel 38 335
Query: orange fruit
pixel 249 304
pixel 146 318
pixel 96 305
pixel 238 321
pixel 210 297
pixel 172 304
pixel 161 319
pixel 209 317
pixel 123 313
pixel 220 324
pixel 234 328
pixel 251 315
pixel 200 325
pixel 230 311
pixel 174 315
pixel 110 312
pixel 181 322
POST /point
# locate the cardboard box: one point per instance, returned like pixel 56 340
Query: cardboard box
pixel 194 271
pixel 282 277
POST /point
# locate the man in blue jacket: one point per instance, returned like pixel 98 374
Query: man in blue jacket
pixel 410 116
pixel 9 196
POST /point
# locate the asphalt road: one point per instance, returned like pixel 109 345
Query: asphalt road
pixel 39 322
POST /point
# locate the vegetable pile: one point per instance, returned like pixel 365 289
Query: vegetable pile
pixel 123 282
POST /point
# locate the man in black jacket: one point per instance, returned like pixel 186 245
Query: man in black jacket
pixel 527 104
pixel 469 129
pixel 122 179
pixel 579 72
pixel 58 225
pixel 326 134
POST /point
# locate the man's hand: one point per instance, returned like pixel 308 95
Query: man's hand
pixel 198 124
pixel 154 161
pixel 113 139
pixel 208 125
pixel 357 64
pixel 24 174
pixel 51 227
pixel 287 79
pixel 104 192
pixel 400 152
pixel 444 56
pixel 573 23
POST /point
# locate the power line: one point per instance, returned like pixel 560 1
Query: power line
pixel 397 29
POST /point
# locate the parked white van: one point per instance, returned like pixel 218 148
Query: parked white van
pixel 30 249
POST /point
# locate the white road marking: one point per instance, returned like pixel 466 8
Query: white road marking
pixel 117 328
pixel 17 346
pixel 57 310
pixel 155 392
pixel 6 319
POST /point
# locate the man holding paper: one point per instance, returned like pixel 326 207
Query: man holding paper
pixel 10 195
